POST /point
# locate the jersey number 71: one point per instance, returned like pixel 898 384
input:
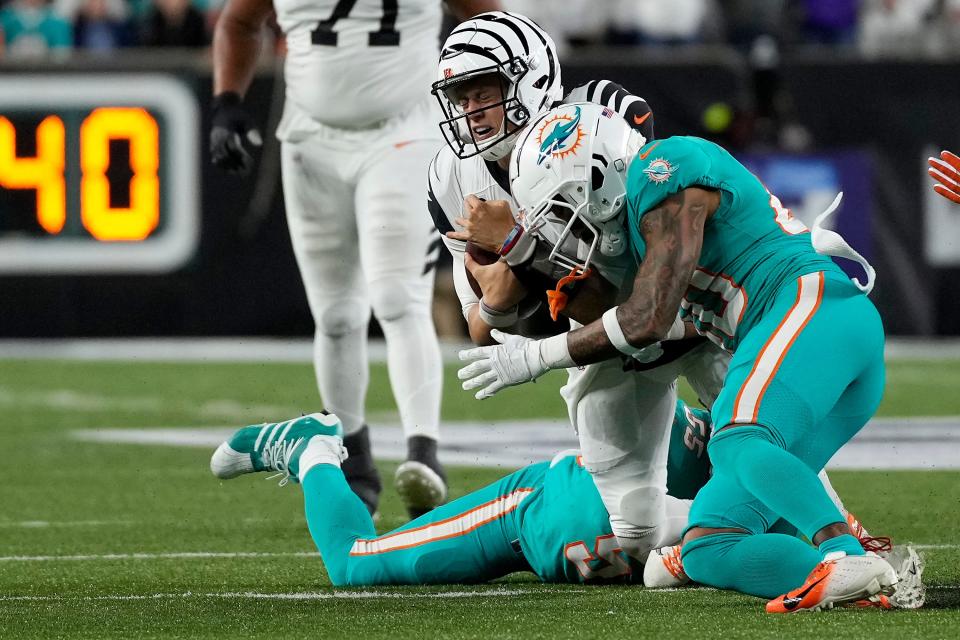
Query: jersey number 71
pixel 385 36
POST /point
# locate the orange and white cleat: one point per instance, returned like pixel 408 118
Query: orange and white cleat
pixel 664 569
pixel 880 545
pixel 838 580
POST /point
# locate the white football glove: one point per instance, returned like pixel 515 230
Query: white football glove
pixel 514 361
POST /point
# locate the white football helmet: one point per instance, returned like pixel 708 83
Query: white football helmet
pixel 524 58
pixel 570 170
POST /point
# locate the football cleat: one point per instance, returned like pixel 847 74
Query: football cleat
pixel 910 592
pixel 289 447
pixel 839 580
pixel 664 569
pixel 420 481
pixel 881 545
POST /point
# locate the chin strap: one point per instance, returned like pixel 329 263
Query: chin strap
pixel 556 298
pixel 831 243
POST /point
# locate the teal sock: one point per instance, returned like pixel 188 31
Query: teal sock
pixel 775 476
pixel 336 517
pixel 846 543
pixel 765 565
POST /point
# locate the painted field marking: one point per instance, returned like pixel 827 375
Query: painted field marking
pixel 187 555
pixel 308 595
pixel 885 443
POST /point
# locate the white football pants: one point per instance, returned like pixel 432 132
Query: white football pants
pixel 623 422
pixel 356 208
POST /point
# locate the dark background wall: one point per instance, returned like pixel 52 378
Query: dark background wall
pixel 243 279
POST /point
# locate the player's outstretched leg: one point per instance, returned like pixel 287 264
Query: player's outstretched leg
pixel 280 446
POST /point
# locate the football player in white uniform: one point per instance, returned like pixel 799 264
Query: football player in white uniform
pixel 357 133
pixel 497 72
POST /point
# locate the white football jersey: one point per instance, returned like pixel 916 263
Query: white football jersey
pixel 453 179
pixel 353 63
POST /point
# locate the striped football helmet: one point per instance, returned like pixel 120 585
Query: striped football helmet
pixel 521 55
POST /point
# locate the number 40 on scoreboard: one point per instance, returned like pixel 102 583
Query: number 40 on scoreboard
pixel 98 174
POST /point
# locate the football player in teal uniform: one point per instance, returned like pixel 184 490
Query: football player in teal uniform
pixel 546 518
pixel 720 252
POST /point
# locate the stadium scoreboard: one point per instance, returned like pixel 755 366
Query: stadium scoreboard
pixel 98 174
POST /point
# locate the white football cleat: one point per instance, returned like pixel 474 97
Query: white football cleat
pixel 664 569
pixel 419 487
pixel 839 580
pixel 910 592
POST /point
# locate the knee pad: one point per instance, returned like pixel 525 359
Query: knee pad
pixel 342 316
pixel 390 300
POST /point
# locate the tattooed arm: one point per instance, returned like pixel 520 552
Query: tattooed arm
pixel 673 233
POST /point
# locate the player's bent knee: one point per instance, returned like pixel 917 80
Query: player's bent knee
pixel 342 317
pixel 390 300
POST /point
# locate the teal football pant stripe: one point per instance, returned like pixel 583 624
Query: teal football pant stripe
pixel 804 381
pixel 470 539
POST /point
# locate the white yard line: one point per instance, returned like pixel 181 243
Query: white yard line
pixel 182 555
pixel 173 555
pixel 885 443
pixel 300 350
pixel 308 595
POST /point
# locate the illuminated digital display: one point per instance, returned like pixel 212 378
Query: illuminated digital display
pixel 98 174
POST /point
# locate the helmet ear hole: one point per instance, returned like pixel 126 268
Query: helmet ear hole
pixel 541 82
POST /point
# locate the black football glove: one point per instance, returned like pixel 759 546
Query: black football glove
pixel 232 126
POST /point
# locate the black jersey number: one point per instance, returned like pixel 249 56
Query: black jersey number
pixel 386 36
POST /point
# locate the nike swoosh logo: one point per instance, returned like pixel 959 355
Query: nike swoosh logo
pixel 792 602
pixel 643 156
pixel 638 120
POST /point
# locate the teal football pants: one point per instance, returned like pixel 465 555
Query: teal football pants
pixel 802 383
pixel 470 539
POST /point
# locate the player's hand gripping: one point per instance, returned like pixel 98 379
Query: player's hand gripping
pixel 501 289
pixel 485 223
pixel 514 361
pixel 232 128
pixel 946 171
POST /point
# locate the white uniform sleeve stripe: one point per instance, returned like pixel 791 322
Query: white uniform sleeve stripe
pixel 747 404
pixel 443 529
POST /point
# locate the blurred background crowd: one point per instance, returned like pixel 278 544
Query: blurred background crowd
pixel 31 28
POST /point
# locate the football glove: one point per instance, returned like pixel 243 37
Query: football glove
pixel 514 361
pixel 231 127
pixel 946 171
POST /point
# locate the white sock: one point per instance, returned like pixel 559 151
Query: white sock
pixel 340 363
pixel 416 372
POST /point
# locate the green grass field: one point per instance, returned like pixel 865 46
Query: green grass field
pixel 121 541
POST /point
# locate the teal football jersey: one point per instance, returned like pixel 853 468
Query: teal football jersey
pixel 752 245
pixel 565 533
pixel 565 530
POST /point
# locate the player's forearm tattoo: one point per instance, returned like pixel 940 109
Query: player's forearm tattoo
pixel 673 233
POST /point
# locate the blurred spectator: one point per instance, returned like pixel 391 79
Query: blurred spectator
pixel 658 22
pixel 580 21
pixel 896 27
pixel 830 21
pixel 102 26
pixel 748 20
pixel 174 23
pixel 31 28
